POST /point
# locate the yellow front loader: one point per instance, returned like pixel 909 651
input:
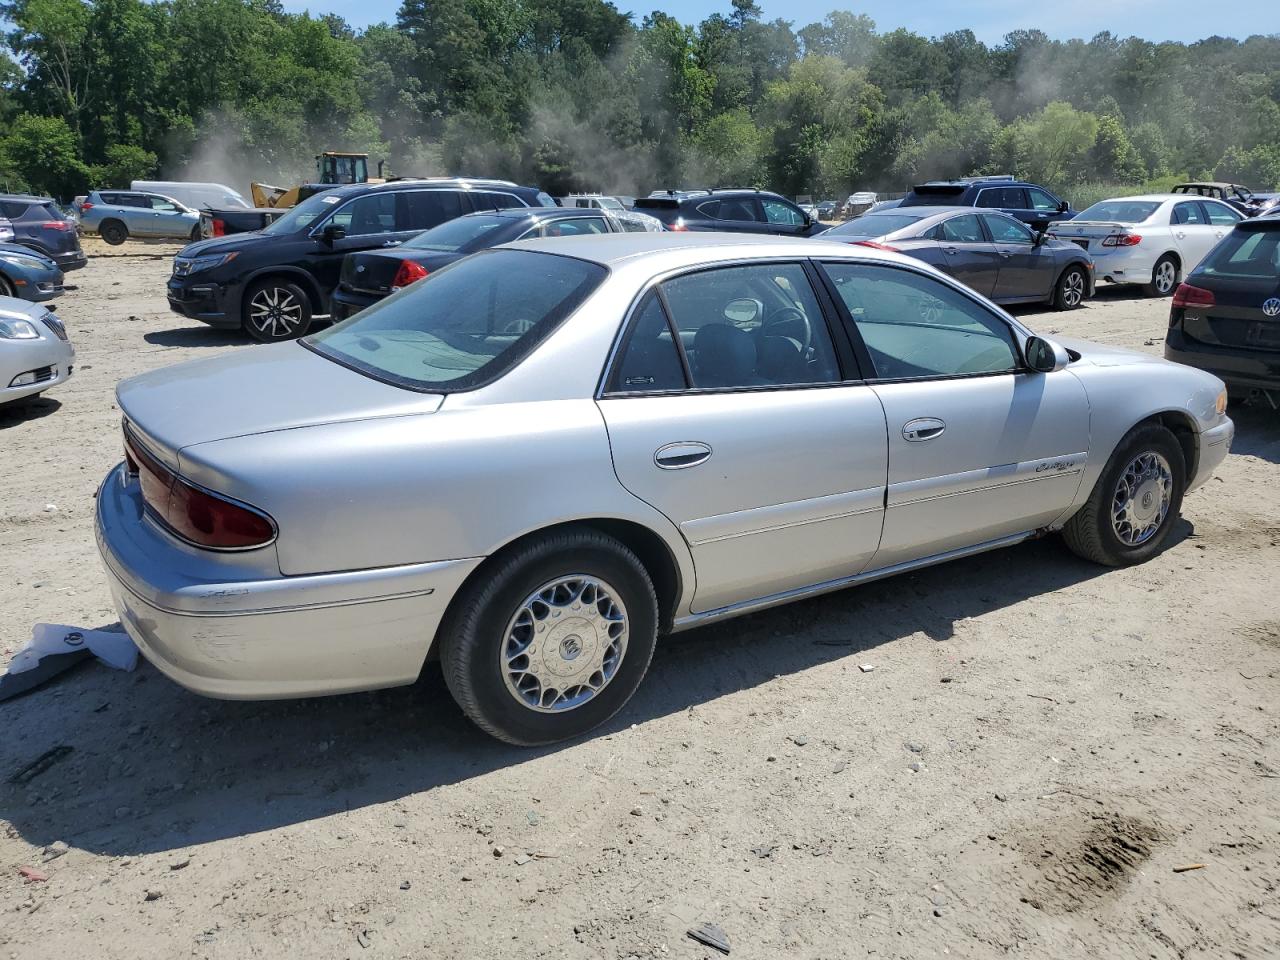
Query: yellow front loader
pixel 331 166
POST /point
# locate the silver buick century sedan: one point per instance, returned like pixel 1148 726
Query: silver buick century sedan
pixel 542 457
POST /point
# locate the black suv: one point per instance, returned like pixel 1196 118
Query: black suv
pixel 735 211
pixel 39 224
pixel 1028 202
pixel 273 281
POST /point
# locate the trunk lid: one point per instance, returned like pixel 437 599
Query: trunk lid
pixel 1088 234
pixel 1237 317
pixel 373 271
pixel 257 390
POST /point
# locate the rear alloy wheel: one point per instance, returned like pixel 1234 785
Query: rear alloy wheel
pixel 552 640
pixel 1164 277
pixel 1070 291
pixel 114 232
pixel 275 310
pixel 1135 502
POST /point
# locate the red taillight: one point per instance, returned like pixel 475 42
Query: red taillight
pixel 408 273
pixel 219 227
pixel 56 225
pixel 193 514
pixel 1122 240
pixel 875 245
pixel 86 205
pixel 679 226
pixel 1189 296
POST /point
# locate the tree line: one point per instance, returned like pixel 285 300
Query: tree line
pixel 577 95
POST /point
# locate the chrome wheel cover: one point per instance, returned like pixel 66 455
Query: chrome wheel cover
pixel 1073 289
pixel 275 312
pixel 1141 499
pixel 564 644
pixel 1165 277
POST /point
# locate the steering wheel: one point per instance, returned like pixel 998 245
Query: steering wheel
pixel 790 316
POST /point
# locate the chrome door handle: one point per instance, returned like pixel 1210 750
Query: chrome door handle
pixel 392 243
pixel 682 454
pixel 952 250
pixel 924 428
pixel 1180 235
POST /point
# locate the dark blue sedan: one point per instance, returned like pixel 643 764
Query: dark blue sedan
pixel 27 274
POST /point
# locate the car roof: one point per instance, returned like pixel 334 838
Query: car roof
pixel 1207 183
pixel 25 198
pixel 540 213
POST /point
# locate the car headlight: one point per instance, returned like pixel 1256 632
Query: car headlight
pixel 18 330
pixel 209 262
pixel 19 260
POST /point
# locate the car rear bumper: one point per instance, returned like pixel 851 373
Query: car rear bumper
pixel 206 301
pixel 345 302
pixel 222 627
pixel 1238 368
pixel 73 260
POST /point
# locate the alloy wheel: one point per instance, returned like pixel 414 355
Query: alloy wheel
pixel 1165 277
pixel 1073 289
pixel 564 644
pixel 275 312
pixel 1141 499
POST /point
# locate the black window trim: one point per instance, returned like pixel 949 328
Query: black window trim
pixel 847 362
pixel 864 355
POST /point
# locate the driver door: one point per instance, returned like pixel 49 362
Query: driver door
pixel 728 410
pixel 979 447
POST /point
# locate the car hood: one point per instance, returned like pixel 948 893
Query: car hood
pixel 256 390
pixel 1105 355
pixel 11 308
pixel 238 241
pixel 26 252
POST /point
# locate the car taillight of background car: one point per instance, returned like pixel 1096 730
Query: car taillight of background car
pixel 409 272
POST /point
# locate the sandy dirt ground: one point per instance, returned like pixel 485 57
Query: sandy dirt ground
pixel 1042 743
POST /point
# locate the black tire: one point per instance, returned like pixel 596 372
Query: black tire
pixel 1071 289
pixel 473 635
pixel 1164 277
pixel 275 309
pixel 113 232
pixel 1093 535
pixel 6 288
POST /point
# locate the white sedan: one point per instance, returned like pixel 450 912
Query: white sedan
pixel 541 457
pixel 1153 240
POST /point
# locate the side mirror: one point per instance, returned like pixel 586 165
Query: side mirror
pixel 1045 356
pixel 1063 206
pixel 1041 235
pixel 743 312
pixel 334 231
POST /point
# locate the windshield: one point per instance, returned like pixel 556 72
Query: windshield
pixel 304 213
pixel 1120 211
pixel 1251 255
pixel 464 325
pixel 877 225
pixel 467 233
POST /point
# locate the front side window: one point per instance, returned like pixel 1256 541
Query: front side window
pixel 916 327
pixel 1220 215
pixel 775 211
pixel 371 214
pixel 964 229
pixel 464 325
pixel 751 326
pixel 1008 230
pixel 424 209
pixel 160 203
pixel 1041 201
pixel 1191 213
pixel 304 214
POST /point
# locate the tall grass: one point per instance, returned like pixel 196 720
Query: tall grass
pixel 1084 195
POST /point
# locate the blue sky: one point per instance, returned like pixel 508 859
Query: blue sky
pixel 989 19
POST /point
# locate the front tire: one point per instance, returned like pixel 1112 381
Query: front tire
pixel 1164 277
pixel 1071 289
pixel 114 232
pixel 552 639
pixel 275 309
pixel 1135 502
pixel 6 288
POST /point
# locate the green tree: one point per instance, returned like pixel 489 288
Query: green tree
pixel 43 153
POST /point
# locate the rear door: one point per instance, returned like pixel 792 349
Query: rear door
pixel 1192 232
pixel 979 447
pixel 1222 218
pixel 419 210
pixel 1012 200
pixel 966 253
pixel 1026 268
pixel 729 411
pixel 732 214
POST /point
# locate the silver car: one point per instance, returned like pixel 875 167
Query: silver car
pixel 117 215
pixel 540 458
pixel 1154 240
pixel 34 351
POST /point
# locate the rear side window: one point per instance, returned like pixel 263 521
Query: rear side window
pixel 963 230
pixel 1254 255
pixel 1005 198
pixel 916 327
pixel 731 208
pixel 424 209
pixel 464 325
pixel 486 200
pixel 43 211
pixel 13 209
pixel 648 360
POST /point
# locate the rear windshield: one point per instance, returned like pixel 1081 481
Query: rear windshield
pixel 464 325
pixel 305 213
pixel 463 233
pixel 1120 211
pixel 878 225
pixel 1251 255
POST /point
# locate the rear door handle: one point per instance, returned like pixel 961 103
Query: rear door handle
pixel 923 428
pixel 392 243
pixel 682 454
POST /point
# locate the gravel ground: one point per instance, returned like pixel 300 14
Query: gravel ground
pixel 1042 743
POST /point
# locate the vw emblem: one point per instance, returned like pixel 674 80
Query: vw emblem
pixel 1271 308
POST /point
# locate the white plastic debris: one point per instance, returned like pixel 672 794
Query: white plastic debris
pixel 116 650
pixel 866 667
